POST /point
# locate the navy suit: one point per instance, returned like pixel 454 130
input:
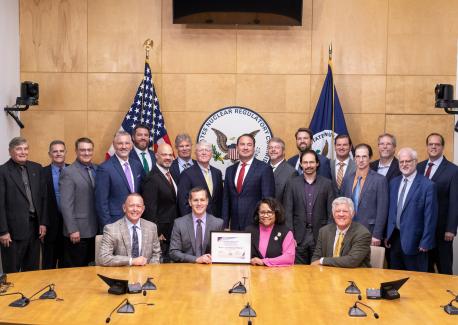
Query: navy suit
pixel 324 169
pixel 417 224
pixel 238 208
pixel 175 170
pixel 112 188
pixel 193 177
pixel 446 180
pixel 133 156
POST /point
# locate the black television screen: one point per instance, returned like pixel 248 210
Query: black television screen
pixel 238 12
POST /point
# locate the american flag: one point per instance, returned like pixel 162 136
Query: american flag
pixel 145 110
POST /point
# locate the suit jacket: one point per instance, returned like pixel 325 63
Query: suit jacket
pixel 183 242
pixel 175 170
pixel 133 156
pixel 419 214
pixel 116 246
pixel 355 251
pixel 282 174
pixel 350 169
pixel 193 177
pixel 77 201
pixel 112 188
pixel 393 170
pixel 325 166
pixel 238 209
pixel 295 206
pixel 373 202
pixel 446 180
pixel 14 206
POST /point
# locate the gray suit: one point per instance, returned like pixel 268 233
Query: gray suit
pixel 372 211
pixel 355 251
pixel 116 246
pixel 282 174
pixel 183 240
pixel 350 169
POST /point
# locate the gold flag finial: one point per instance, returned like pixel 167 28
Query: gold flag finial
pixel 148 45
pixel 330 52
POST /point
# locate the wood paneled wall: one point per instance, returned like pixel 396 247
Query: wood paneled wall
pixel 88 58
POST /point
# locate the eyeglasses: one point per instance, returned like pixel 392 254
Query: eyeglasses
pixel 204 150
pixel 405 162
pixel 266 213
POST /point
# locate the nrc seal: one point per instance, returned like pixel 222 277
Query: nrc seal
pixel 223 127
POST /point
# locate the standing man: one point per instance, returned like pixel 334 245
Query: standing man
pixel 191 233
pixel 23 217
pixel 304 140
pixel 445 175
pixel 183 144
pixel 412 216
pixel 283 171
pixel 116 179
pixel 141 152
pixel 388 164
pixel 308 201
pixel 159 192
pixel 245 183
pixel 54 239
pixel 343 165
pixel 369 192
pixel 77 202
pixel 203 175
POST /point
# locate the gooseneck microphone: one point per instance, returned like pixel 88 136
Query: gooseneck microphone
pixel 109 316
pixel 355 311
pixel 449 308
pixel 21 302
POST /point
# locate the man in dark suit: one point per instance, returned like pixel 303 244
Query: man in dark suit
pixel 116 178
pixel 203 175
pixel 343 165
pixel 344 243
pixel 445 175
pixel 304 140
pixel 77 204
pixel 388 164
pixel 412 216
pixel 308 200
pixel 23 217
pixel 246 182
pixel 183 145
pixel 54 239
pixel 159 192
pixel 369 192
pixel 140 151
pixel 191 233
pixel 283 171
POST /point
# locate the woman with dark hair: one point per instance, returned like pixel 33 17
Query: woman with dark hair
pixel 272 243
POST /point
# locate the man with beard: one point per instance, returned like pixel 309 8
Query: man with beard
pixel 141 152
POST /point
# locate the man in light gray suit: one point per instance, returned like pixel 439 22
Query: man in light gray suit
pixel 369 192
pixel 130 240
pixel 343 165
pixel 283 171
pixel 190 241
pixel 76 184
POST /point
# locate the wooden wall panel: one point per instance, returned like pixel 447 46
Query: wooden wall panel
pixel 365 128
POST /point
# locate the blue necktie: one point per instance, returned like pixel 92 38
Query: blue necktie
pixel 356 193
pixel 135 249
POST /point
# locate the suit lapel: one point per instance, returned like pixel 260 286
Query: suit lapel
pixel 367 184
pixel 125 235
pixel 214 179
pixel 166 183
pixel 412 191
pixel 332 236
pixel 439 170
pixel 117 166
pixel 201 177
pixel 15 175
pixel 249 175
pixel 346 239
pixel 192 236
pixel 34 181
pixel 146 238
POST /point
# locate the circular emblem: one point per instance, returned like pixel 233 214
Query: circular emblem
pixel 322 143
pixel 223 127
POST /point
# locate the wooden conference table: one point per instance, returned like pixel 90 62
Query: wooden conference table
pixel 198 294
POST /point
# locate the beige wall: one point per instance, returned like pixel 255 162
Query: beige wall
pixel 88 57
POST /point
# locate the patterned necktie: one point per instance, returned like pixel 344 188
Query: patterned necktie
pixel 91 177
pixel 356 193
pixel 135 248
pixel 338 245
pixel 186 165
pixel 400 204
pixel 199 238
pixel 209 181
pixel 169 178
pixel 240 178
pixel 428 171
pixel 340 174
pixel 145 162
pixel 128 176
pixel 28 192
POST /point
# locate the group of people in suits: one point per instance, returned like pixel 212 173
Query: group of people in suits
pixel 305 210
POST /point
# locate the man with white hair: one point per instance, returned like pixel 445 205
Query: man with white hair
pixel 412 216
pixel 344 243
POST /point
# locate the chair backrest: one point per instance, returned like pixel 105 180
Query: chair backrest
pixel 377 256
pixel 98 242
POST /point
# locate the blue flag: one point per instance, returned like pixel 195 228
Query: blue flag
pixel 321 123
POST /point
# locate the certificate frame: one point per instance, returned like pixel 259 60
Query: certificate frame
pixel 231 247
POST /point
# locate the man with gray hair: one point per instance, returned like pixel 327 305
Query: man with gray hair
pixel 388 164
pixel 344 243
pixel 183 145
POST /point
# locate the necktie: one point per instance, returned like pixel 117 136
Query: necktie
pixel 400 204
pixel 199 238
pixel 169 178
pixel 135 248
pixel 338 245
pixel 240 178
pixel 91 177
pixel 28 192
pixel 145 162
pixel 428 171
pixel 128 176
pixel 186 165
pixel 209 181
pixel 356 193
pixel 340 174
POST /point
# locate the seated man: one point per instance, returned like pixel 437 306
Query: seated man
pixel 190 240
pixel 343 243
pixel 130 240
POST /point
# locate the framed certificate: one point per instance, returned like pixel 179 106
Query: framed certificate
pixel 230 247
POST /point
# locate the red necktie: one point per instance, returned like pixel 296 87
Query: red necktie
pixel 428 171
pixel 240 178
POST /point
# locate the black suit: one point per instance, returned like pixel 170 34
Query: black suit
pixel 16 219
pixel 175 170
pixel 392 172
pixel 446 180
pixel 193 177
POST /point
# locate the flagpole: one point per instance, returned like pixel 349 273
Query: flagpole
pixel 148 45
pixel 332 108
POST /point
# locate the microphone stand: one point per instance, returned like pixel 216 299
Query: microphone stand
pixel 355 311
pixel 238 287
pixel 127 308
pixel 21 302
pixel 449 308
pixel 50 294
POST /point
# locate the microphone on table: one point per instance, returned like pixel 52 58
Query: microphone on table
pixel 126 308
pixel 239 287
pixel 355 311
pixel 449 308
pixel 21 302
